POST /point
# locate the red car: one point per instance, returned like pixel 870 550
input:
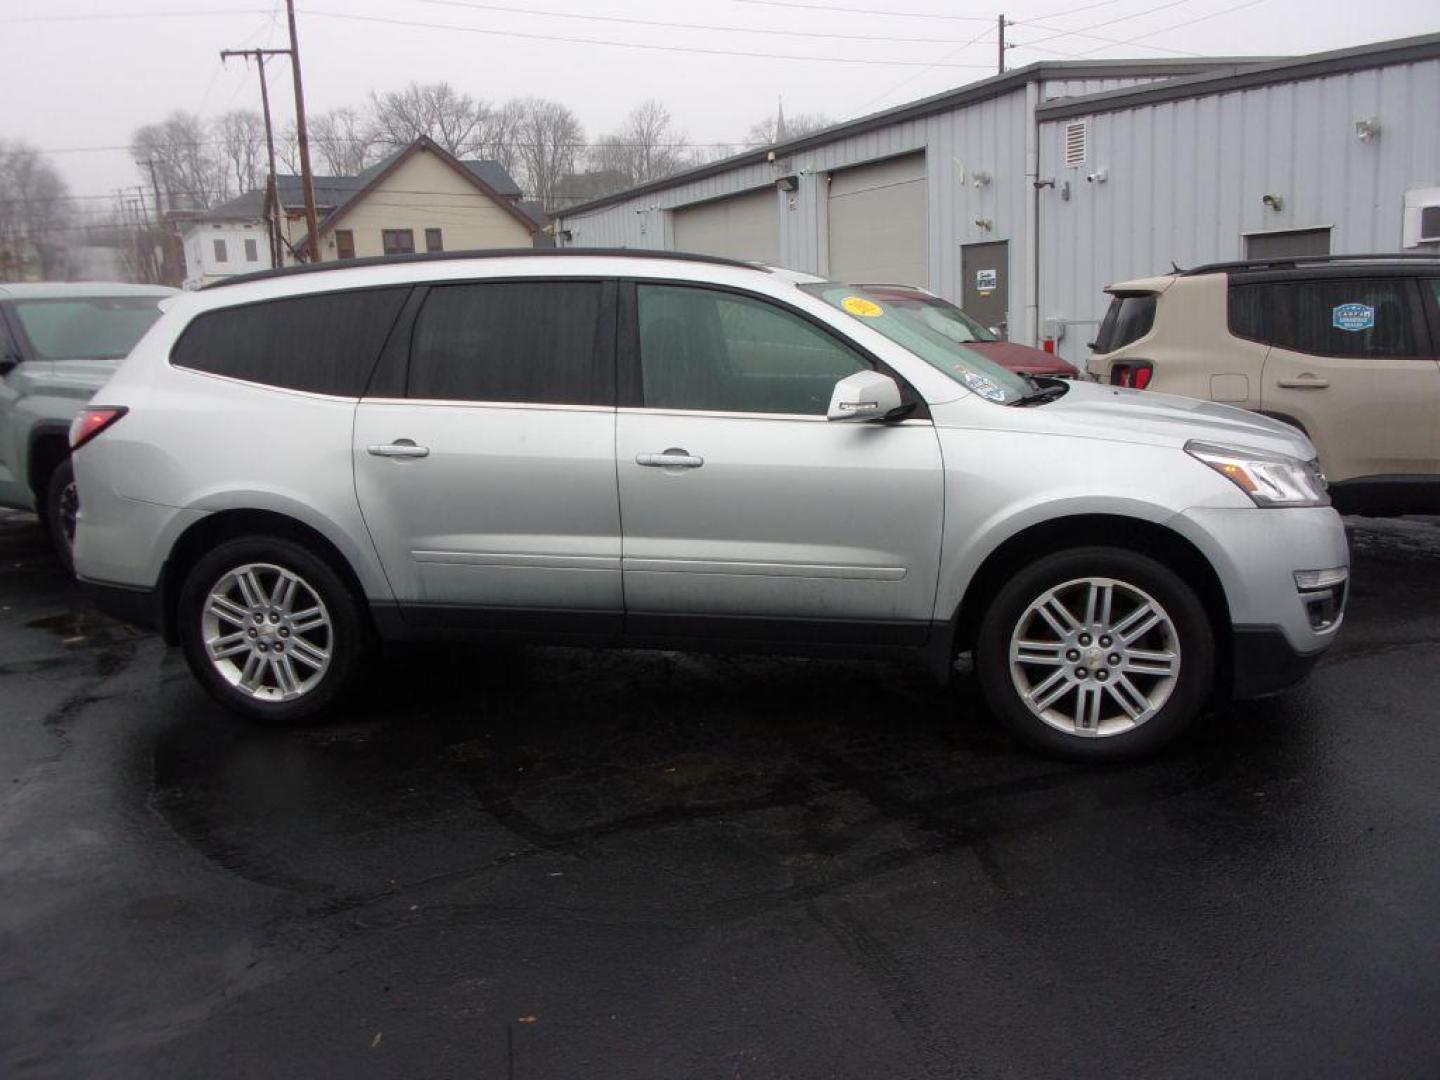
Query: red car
pixel 949 320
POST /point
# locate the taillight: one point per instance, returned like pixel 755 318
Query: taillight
pixel 1136 374
pixel 92 422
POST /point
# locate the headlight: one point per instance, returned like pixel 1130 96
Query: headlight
pixel 1269 479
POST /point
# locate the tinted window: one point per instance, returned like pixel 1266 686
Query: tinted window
pixel 1337 317
pixel 721 352
pixel 1128 319
pixel 326 344
pixel 89 328
pixel 529 341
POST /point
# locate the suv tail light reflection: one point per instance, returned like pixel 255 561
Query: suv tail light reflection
pixel 92 422
pixel 1135 374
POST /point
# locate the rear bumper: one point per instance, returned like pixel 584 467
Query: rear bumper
pixel 138 606
pixel 1263 662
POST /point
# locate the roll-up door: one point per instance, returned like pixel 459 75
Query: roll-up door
pixel 739 227
pixel 879 217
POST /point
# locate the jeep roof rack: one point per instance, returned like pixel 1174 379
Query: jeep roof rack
pixel 1293 262
pixel 493 253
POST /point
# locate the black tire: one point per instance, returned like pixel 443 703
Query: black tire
pixel 348 639
pixel 61 503
pixel 1192 628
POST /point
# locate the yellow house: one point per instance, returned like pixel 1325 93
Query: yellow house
pixel 419 199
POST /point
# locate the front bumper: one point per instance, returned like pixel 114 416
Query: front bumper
pixel 1263 662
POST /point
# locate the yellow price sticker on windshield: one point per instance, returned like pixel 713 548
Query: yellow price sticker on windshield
pixel 858 305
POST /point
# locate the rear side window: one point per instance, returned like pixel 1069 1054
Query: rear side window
pixel 1129 318
pixel 1335 317
pixel 325 344
pixel 541 342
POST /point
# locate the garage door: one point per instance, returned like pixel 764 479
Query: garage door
pixel 879 216
pixel 739 227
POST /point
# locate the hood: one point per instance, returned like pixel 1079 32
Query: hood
pixel 76 378
pixel 1094 410
pixel 1023 358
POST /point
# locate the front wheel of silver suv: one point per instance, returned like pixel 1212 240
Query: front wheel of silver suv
pixel 270 630
pixel 1096 654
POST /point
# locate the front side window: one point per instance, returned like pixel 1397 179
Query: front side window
pixel 540 342
pixel 220 253
pixel 325 343
pixel 398 241
pixel 721 352
pixel 1333 317
pixel 89 328
pixel 1129 318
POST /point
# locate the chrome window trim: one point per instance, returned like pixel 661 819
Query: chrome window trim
pixel 465 403
pixel 640 410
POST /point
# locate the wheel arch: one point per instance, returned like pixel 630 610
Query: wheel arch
pixel 49 445
pixel 1085 530
pixel 217 528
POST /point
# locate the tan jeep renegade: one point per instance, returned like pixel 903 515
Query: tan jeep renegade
pixel 1343 347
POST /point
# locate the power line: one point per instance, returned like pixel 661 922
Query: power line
pixel 95 16
pixel 472 4
pixel 911 78
pixel 627 44
pixel 821 9
pixel 1081 31
pixel 1187 22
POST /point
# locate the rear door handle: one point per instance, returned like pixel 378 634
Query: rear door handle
pixel 1304 383
pixel 400 448
pixel 670 459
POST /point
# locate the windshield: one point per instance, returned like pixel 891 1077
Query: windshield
pixel 928 331
pixel 937 313
pixel 86 328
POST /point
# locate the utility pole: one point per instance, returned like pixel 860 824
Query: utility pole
pixel 1000 53
pixel 272 188
pixel 307 182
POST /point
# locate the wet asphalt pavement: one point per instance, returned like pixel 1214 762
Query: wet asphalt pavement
pixel 557 863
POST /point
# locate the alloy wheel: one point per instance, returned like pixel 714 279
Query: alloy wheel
pixel 267 632
pixel 1095 657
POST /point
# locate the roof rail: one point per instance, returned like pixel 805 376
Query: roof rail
pixel 1294 261
pixel 493 253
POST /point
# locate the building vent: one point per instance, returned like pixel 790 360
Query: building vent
pixel 1075 139
pixel 1429 224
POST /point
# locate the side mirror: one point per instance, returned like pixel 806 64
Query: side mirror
pixel 866 395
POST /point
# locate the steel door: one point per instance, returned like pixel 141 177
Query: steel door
pixel 985 290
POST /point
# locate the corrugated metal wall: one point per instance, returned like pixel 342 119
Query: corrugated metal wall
pixel 986 137
pixel 1186 178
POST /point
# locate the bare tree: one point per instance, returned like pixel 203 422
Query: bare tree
pixel 287 149
pixel 646 147
pixel 500 135
pixel 344 139
pixel 240 135
pixel 191 173
pixel 33 214
pixel 437 110
pixel 796 127
pixel 548 143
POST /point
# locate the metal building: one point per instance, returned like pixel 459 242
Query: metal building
pixel 1336 153
pixel 929 193
pixel 1022 195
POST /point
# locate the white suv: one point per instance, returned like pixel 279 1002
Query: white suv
pixel 686 452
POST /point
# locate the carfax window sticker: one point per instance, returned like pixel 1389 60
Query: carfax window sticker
pixel 1353 317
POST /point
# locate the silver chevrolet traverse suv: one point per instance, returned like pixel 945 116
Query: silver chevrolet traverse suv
pixel 686 452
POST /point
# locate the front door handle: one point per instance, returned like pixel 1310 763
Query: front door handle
pixel 400 448
pixel 1305 382
pixel 672 458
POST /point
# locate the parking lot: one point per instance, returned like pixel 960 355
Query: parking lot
pixel 561 863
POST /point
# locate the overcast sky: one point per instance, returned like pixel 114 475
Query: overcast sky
pixel 87 73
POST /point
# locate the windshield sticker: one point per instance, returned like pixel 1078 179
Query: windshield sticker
pixel 980 384
pixel 1353 317
pixel 858 305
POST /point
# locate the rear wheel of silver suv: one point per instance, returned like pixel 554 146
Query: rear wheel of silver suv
pixel 1096 654
pixel 270 629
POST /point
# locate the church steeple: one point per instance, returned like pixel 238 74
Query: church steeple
pixel 780 120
